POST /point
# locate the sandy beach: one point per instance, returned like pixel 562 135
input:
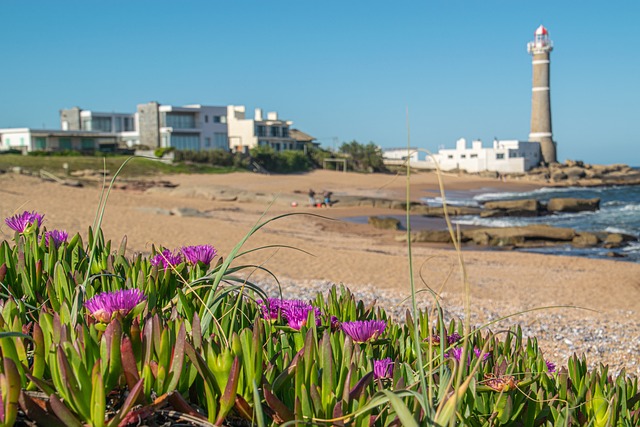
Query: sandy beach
pixel 370 261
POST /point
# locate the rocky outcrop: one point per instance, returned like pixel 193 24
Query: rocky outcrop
pixel 438 211
pixel 573 205
pixel 518 236
pixel 527 207
pixel 384 223
pixel 577 173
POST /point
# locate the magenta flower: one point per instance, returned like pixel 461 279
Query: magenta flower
pixel 364 330
pixel 456 353
pixel 271 308
pixel 383 368
pixel 201 253
pixel 20 222
pixel 551 367
pixel 166 259
pixel 55 237
pixel 451 339
pixel 297 315
pixel 105 305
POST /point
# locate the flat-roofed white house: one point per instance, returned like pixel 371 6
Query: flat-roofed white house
pixel 413 154
pixel 504 156
pixel 26 140
pixel 271 131
pixel 190 127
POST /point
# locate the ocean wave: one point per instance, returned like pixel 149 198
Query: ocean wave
pixel 437 201
pixel 631 207
pixel 619 231
pixel 490 222
pixel 532 194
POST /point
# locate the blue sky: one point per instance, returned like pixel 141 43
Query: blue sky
pixel 338 69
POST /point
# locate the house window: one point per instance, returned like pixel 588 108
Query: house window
pixel 275 131
pixel 220 141
pixel 499 156
pixel 513 154
pixel 41 143
pixel 207 142
pixel 463 156
pixel 180 120
pixel 64 143
pixel 87 144
pixel 261 130
pixel 473 156
pixel 219 119
pixel 285 132
pixel 206 118
pixel 450 156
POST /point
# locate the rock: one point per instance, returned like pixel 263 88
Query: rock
pixel 438 211
pixel 573 205
pixel 384 223
pixel 615 255
pixel 574 173
pixel 188 212
pixel 616 240
pixel 72 183
pixel 585 240
pixel 518 236
pixel 526 207
pixel 558 175
pixel 432 236
pixel 574 163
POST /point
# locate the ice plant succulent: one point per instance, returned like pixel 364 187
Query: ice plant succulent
pixel 362 331
pixel 551 367
pixel 20 222
pixel 199 253
pixel 383 368
pixel 298 314
pixel 166 259
pixel 55 237
pixel 104 306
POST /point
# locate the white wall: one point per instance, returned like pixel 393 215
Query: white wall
pixel 16 138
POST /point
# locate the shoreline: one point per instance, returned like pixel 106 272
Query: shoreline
pixel 365 259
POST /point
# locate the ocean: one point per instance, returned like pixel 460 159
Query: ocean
pixel 619 213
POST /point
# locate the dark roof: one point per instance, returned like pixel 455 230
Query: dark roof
pixel 300 136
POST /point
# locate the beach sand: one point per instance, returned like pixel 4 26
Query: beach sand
pixel 331 251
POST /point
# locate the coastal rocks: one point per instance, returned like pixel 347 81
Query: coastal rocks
pixel 577 173
pixel 384 223
pixel 527 207
pixel 426 236
pixel 532 207
pixel 585 240
pixel 519 236
pixel 438 211
pixel 573 205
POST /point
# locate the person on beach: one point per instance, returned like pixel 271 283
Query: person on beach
pixel 312 198
pixel 326 195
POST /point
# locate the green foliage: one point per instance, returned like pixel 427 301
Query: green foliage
pixel 287 161
pixel 161 151
pixel 364 158
pixel 201 340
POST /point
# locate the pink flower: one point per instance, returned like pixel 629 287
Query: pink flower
pixel 20 222
pixel 383 368
pixel 201 253
pixel 166 259
pixel 55 237
pixel 364 330
pixel 105 305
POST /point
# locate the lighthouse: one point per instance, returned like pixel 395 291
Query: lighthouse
pixel 540 49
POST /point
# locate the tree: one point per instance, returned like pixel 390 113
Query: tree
pixel 365 158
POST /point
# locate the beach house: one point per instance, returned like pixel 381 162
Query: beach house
pixel 154 125
pixel 504 156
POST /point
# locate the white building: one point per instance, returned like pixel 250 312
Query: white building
pixel 414 154
pixel 191 127
pixel 506 156
pixel 26 140
pixel 153 125
pixel 245 134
